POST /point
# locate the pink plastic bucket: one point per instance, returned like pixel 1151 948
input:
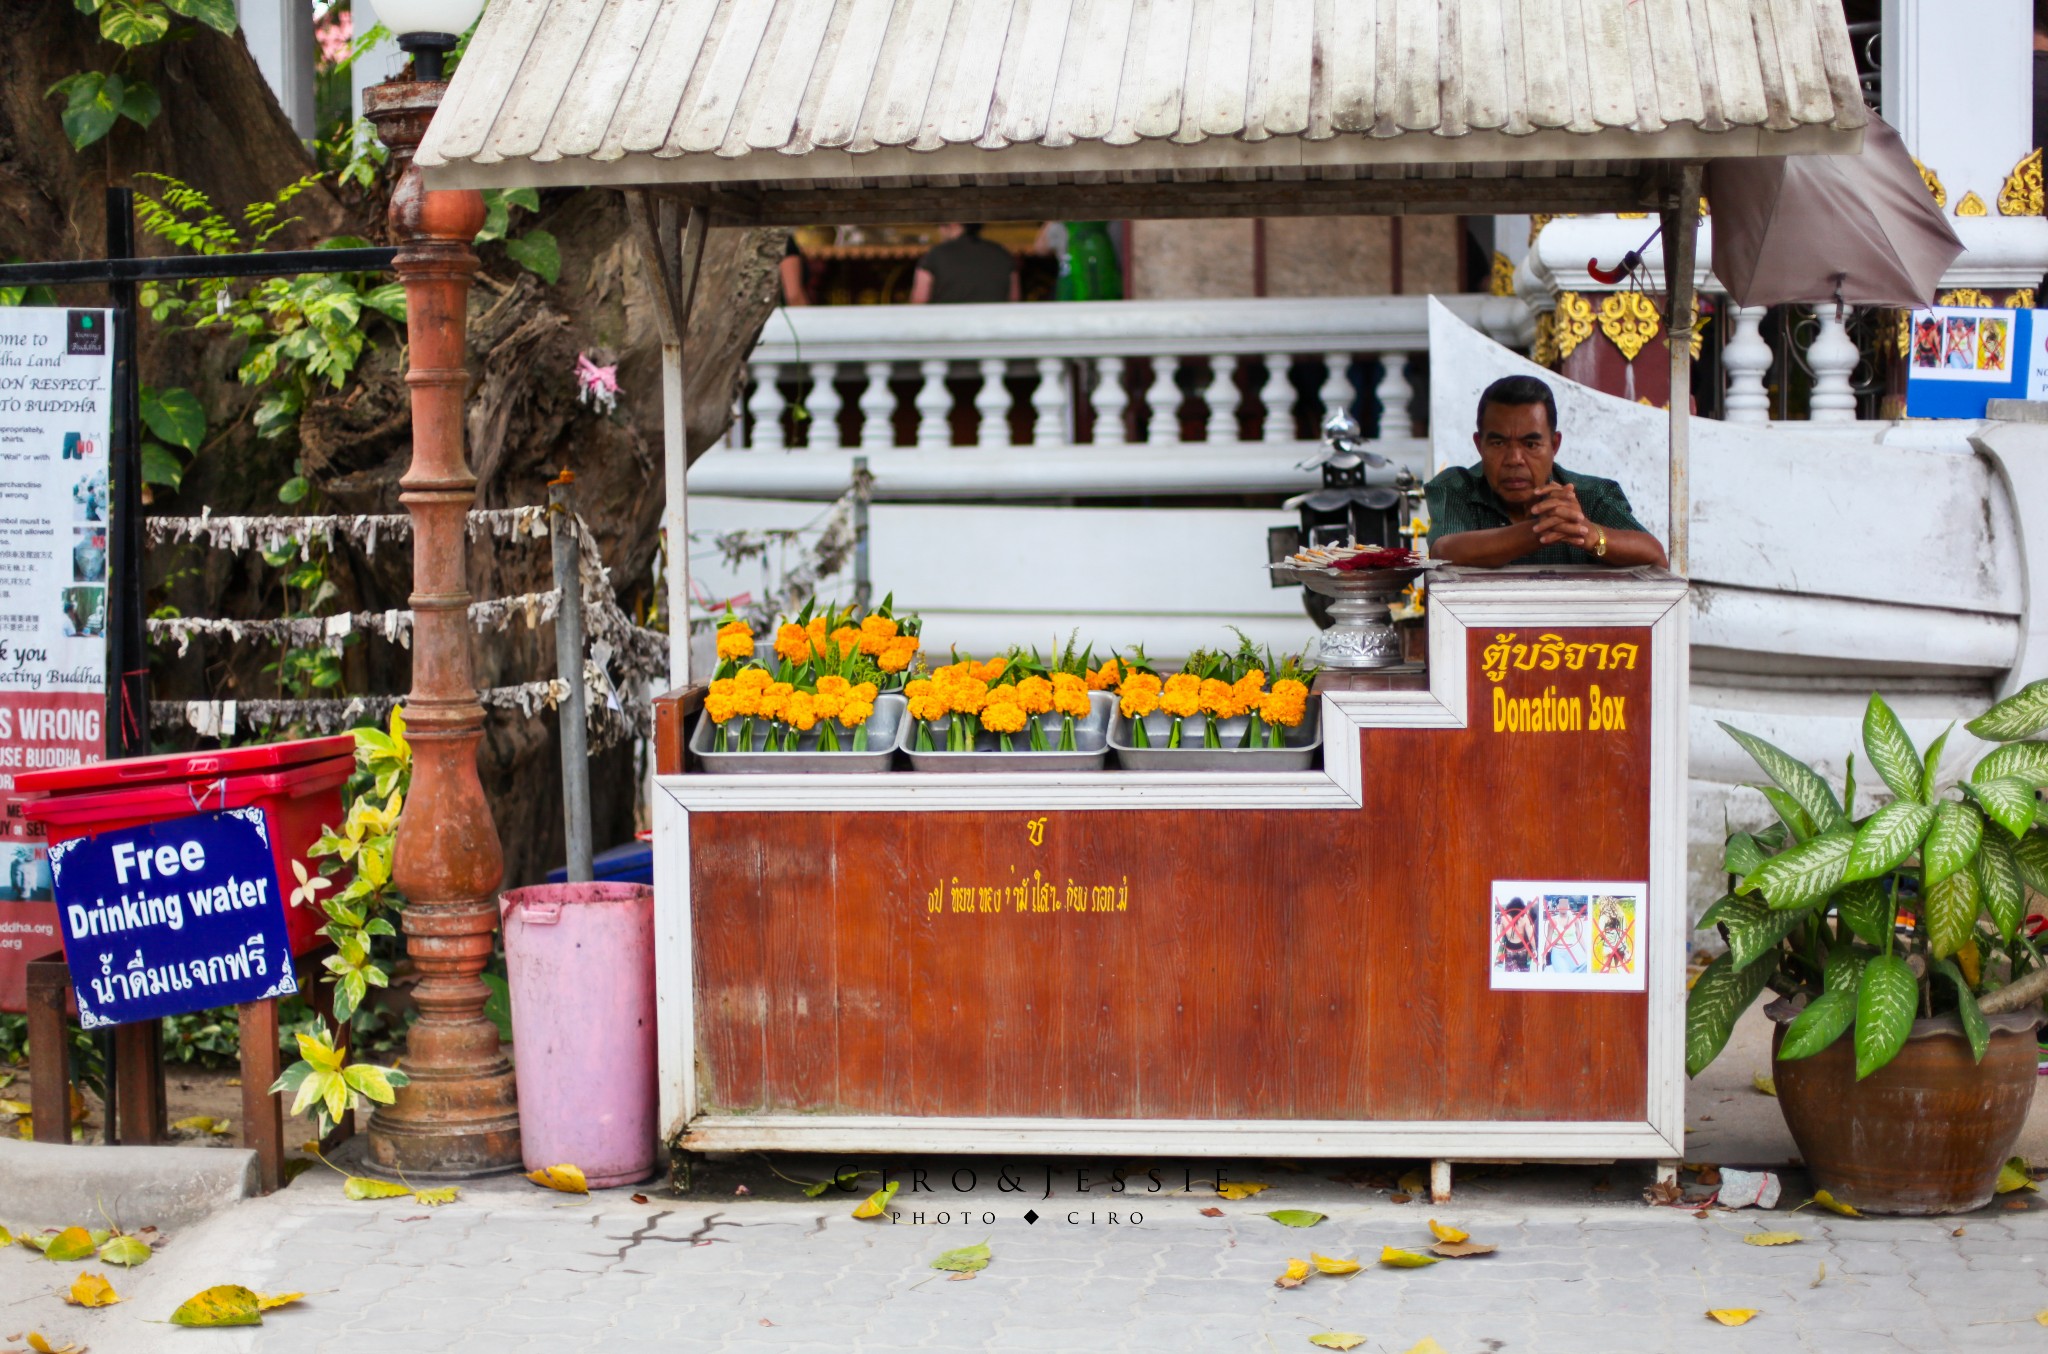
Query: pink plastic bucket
pixel 581 970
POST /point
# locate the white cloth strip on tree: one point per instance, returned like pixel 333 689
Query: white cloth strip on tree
pixel 307 632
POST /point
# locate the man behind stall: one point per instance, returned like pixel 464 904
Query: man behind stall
pixel 1518 506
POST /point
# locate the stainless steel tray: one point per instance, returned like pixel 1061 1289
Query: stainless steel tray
pixel 884 727
pixel 1091 736
pixel 1301 745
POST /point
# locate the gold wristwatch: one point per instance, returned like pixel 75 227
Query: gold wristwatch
pixel 1600 546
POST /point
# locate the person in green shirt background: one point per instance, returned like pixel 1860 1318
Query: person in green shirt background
pixel 1518 506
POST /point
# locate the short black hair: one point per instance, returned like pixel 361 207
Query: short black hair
pixel 972 228
pixel 1517 390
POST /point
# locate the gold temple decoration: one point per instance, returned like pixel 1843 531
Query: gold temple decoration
pixel 1574 322
pixel 1502 280
pixel 1972 205
pixel 1543 352
pixel 2021 195
pixel 1928 177
pixel 1897 325
pixel 1699 331
pixel 2023 299
pixel 1967 296
pixel 1631 216
pixel 1629 320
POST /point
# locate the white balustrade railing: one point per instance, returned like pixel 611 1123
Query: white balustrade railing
pixel 1102 374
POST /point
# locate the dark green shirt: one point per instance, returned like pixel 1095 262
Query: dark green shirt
pixel 1460 499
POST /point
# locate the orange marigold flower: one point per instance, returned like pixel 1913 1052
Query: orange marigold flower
pixel 1248 689
pixel 746 700
pixel 1106 677
pixel 774 701
pixel 801 713
pixel 793 643
pixel 992 669
pixel 1182 695
pixel 752 679
pixel 835 685
pixel 816 630
pixel 1139 695
pixel 722 686
pixel 845 640
pixel 866 691
pixel 929 705
pixel 968 696
pixel 1002 716
pixel 897 654
pixel 1035 695
pixel 855 713
pixel 1070 695
pixel 875 634
pixel 735 641
pixel 1218 698
pixel 827 704
pixel 718 706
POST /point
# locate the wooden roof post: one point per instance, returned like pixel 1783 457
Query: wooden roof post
pixel 672 257
pixel 1681 248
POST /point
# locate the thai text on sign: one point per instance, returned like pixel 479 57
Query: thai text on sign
pixel 1558 707
pixel 172 917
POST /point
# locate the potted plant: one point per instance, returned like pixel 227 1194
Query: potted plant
pixel 1017 711
pixel 827 693
pixel 1217 711
pixel 1905 1059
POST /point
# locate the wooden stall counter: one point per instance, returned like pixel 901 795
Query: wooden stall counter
pixel 1461 937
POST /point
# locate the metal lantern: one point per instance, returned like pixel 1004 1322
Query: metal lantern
pixel 1346 510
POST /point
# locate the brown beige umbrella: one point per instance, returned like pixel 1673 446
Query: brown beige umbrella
pixel 1860 229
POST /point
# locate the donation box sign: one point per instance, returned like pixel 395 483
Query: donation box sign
pixel 172 917
pixel 56 403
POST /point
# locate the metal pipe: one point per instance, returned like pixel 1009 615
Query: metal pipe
pixel 863 488
pixel 121 268
pixel 575 732
pixel 1681 236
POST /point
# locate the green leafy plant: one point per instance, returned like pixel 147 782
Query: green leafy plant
pixel 535 250
pixel 95 100
pixel 357 918
pixel 1913 910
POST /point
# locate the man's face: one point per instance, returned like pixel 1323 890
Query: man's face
pixel 1516 446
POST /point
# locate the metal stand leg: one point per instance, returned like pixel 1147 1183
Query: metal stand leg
pixel 1439 1182
pixel 1667 1172
pixel 49 1051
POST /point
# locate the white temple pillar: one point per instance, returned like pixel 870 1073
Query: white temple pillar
pixel 280 37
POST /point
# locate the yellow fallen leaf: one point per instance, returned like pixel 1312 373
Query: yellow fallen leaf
pixel 2015 1174
pixel 13 1107
pixel 1239 1190
pixel 204 1123
pixel 1297 1273
pixel 1393 1257
pixel 1821 1277
pixel 1337 1339
pixel 1414 1182
pixel 434 1198
pixel 227 1304
pixel 876 1204
pixel 363 1187
pixel 1331 1265
pixel 1772 1239
pixel 1733 1316
pixel 1443 1233
pixel 1427 1346
pixel 1834 1205
pixel 564 1177
pixel 2041 1318
pixel 266 1301
pixel 79 1112
pixel 967 1259
pixel 91 1290
pixel 40 1343
pixel 73 1243
pixel 1764 1082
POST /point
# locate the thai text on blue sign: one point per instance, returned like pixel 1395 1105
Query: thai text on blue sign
pixel 1960 358
pixel 172 917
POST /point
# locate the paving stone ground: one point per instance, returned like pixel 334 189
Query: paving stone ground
pixel 1581 1269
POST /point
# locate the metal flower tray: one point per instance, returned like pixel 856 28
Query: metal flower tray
pixel 884 727
pixel 1361 634
pixel 1297 752
pixel 1091 736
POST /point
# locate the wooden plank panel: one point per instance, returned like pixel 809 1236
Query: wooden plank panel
pixel 1578 79
pixel 1152 106
pixel 1543 67
pixel 1351 65
pixel 655 91
pixel 1084 101
pixel 799 950
pixel 1450 77
pixel 1031 68
pixel 903 75
pixel 599 79
pixel 1408 75
pixel 1483 58
pixel 771 121
pixel 1839 57
pixel 463 124
pixel 1808 97
pixel 1737 64
pixel 536 90
pixel 1279 100
pixel 1226 66
pixel 706 117
pixel 959 112
pixel 1610 79
pixel 728 854
pixel 852 73
pixel 1674 63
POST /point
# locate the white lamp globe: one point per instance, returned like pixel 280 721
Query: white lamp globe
pixel 428 29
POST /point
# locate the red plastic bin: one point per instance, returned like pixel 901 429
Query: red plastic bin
pixel 298 798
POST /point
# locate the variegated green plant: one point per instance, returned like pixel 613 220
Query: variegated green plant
pixel 1916 909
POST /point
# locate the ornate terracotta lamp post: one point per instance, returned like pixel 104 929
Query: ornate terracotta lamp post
pixel 459 1116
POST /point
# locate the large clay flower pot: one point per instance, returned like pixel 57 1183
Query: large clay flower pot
pixel 1927 1132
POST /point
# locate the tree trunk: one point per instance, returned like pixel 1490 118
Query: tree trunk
pixel 222 131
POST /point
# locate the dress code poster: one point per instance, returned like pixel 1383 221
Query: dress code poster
pixel 1566 936
pixel 172 917
pixel 56 377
